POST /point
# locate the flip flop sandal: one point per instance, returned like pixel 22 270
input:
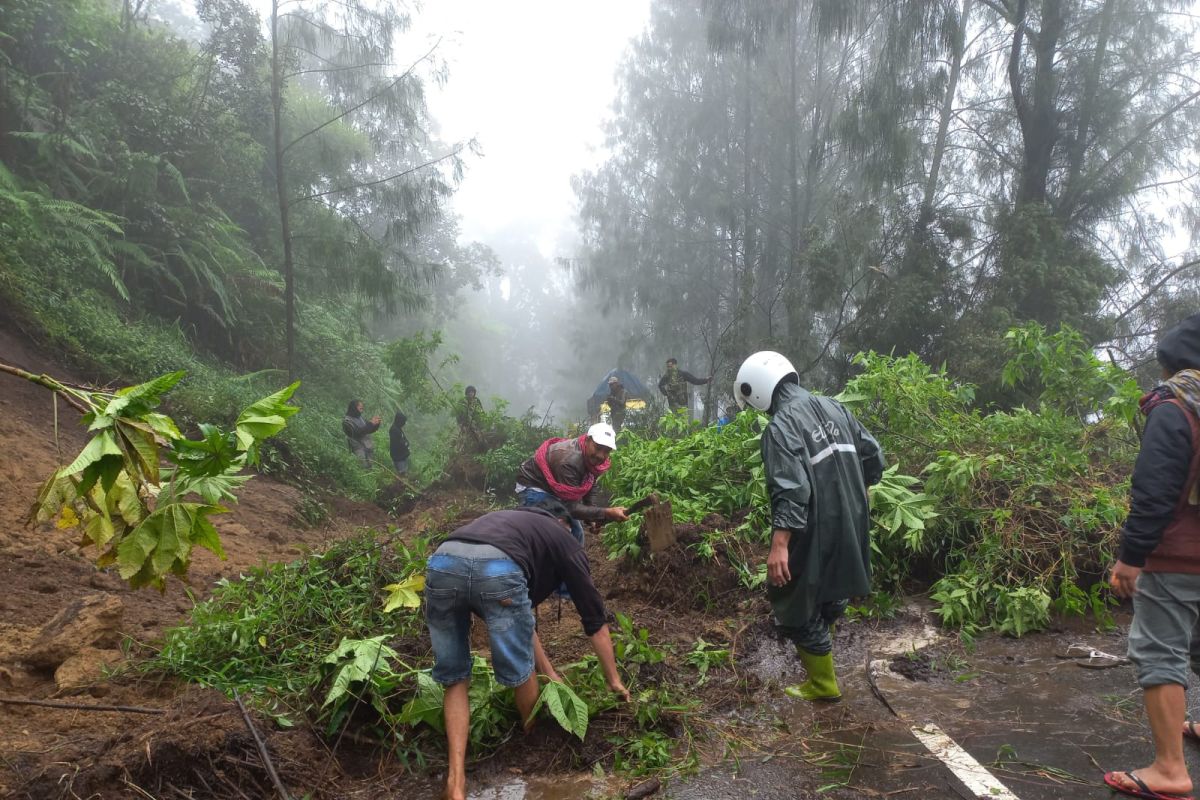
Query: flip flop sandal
pixel 1075 651
pixel 1192 732
pixel 1100 660
pixel 1142 789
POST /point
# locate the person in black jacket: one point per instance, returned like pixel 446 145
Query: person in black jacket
pixel 499 567
pixel 398 443
pixel 1159 563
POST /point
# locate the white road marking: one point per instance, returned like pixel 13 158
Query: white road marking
pixel 976 777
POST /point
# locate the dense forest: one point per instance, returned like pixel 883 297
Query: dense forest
pixel 266 193
pixel 830 177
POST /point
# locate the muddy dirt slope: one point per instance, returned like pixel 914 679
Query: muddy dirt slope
pixel 45 577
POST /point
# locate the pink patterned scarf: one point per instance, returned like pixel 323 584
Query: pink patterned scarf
pixel 561 490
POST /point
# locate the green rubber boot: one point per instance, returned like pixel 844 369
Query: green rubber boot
pixel 822 682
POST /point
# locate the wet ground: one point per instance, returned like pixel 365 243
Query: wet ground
pixel 1043 727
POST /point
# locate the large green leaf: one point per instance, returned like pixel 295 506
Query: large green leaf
pixel 139 448
pixel 426 705
pixel 565 706
pixel 101 445
pixel 163 542
pixel 265 418
pixel 404 594
pixel 212 488
pixel 56 492
pixel 356 660
pixel 149 393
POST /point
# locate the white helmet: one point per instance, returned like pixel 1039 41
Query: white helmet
pixel 603 434
pixel 758 376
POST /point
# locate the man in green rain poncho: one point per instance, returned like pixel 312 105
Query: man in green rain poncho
pixel 818 462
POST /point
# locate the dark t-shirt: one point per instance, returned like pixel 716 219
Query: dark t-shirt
pixel 546 552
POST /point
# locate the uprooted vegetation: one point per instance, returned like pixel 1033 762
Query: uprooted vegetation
pixel 1002 516
pixel 1005 515
pixel 336 643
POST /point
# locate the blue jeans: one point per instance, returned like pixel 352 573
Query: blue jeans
pixel 457 585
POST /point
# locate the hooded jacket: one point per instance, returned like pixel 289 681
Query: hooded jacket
pixel 397 441
pixel 1162 531
pixel 819 461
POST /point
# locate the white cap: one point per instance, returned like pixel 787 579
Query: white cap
pixel 603 434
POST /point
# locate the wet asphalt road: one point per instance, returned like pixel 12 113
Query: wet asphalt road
pixel 1043 726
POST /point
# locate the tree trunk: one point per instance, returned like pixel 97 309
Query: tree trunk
pixel 746 281
pixel 793 259
pixel 289 278
pixel 925 217
pixel 1036 113
pixel 1087 110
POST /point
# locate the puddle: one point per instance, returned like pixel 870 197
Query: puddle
pixel 562 787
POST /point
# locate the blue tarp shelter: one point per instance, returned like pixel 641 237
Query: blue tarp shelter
pixel 634 390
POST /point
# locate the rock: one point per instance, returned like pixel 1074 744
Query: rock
pixel 92 621
pixel 233 530
pixel 104 581
pixel 84 668
pixel 643 789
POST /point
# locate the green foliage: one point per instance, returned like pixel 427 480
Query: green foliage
pixel 359 668
pixel 1027 502
pixel 705 655
pixel 135 512
pixel 138 218
pixel 1008 514
pixel 324 639
pixel 899 533
pixel 304 639
pixel 711 470
pixel 410 360
pixel 517 437
pixel 1067 375
pixel 565 706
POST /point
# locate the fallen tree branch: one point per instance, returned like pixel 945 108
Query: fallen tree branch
pixel 262 748
pixel 875 687
pixel 12 701
pixel 47 382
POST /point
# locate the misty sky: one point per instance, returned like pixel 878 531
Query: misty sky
pixel 532 81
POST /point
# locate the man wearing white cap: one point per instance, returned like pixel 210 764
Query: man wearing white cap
pixel 568 469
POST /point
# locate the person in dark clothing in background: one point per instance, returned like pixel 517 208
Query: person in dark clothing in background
pixel 500 567
pixel 818 461
pixel 358 432
pixel 674 384
pixel 616 402
pixel 1159 563
pixel 398 443
pixel 469 415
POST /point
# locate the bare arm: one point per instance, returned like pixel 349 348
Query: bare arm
pixel 778 572
pixel 602 644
